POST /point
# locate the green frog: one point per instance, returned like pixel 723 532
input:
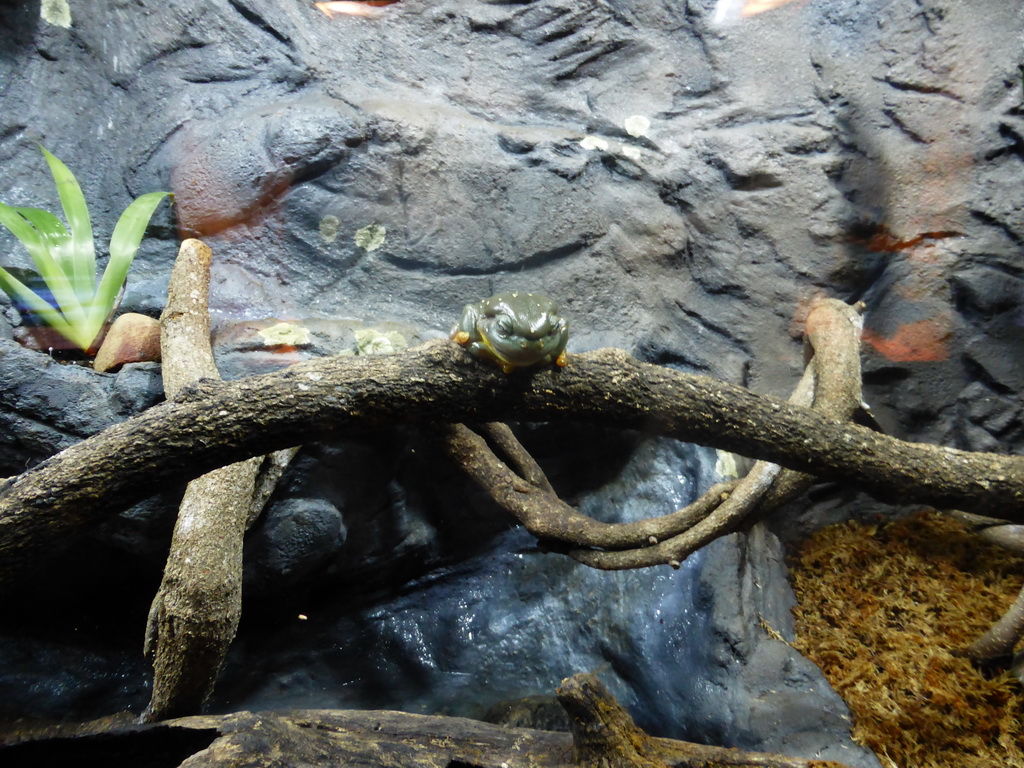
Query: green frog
pixel 514 330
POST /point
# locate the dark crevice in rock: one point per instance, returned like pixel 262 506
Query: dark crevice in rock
pixel 903 85
pixel 1005 228
pixel 1014 143
pixel 575 61
pixel 895 119
pixel 260 22
pixel 534 260
pixel 885 375
pixel 157 747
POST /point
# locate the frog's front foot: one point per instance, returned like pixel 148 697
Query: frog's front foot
pixel 562 360
pixel 460 337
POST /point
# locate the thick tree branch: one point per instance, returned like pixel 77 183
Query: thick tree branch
pixel 219 423
pixel 997 645
pixel 832 338
pixel 194 616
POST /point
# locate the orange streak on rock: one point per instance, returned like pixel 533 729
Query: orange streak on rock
pixel 922 342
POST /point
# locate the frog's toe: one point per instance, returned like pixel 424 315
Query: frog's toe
pixel 562 360
pixel 460 337
pixel 507 368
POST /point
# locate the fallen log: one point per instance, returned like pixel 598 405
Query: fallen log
pixel 327 738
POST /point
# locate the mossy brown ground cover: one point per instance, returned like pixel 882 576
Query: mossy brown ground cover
pixel 884 610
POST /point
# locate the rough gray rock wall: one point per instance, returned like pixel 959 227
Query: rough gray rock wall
pixel 858 148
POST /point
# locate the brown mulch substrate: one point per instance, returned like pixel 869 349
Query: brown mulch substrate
pixel 883 610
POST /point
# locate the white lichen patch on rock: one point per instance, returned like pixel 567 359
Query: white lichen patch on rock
pixel 371 237
pixel 56 12
pixel 637 125
pixel 285 335
pixel 329 227
pixel 726 466
pixel 594 142
pixel 631 153
pixel 371 341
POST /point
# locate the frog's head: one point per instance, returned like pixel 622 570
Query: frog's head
pixel 522 329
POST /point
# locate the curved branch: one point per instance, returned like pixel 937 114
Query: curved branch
pixel 219 423
pixel 725 511
pixel 549 518
pixel 997 645
pixel 831 381
pixel 515 455
pixel 832 331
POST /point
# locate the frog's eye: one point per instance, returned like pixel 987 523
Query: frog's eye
pixel 503 326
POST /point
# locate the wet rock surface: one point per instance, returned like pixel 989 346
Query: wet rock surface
pixel 866 150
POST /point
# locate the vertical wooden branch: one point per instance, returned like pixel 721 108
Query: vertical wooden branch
pixel 603 733
pixel 195 613
pixel 605 736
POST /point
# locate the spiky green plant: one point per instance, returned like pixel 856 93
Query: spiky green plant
pixel 66 258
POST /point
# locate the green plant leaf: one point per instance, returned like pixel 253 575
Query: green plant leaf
pixel 124 244
pixel 55 236
pixel 48 225
pixel 37 244
pixel 80 260
pixel 53 318
pixel 22 229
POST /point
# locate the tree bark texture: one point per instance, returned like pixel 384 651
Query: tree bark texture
pixel 212 424
pixel 603 733
pixel 194 616
pixel 605 736
pixel 328 738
